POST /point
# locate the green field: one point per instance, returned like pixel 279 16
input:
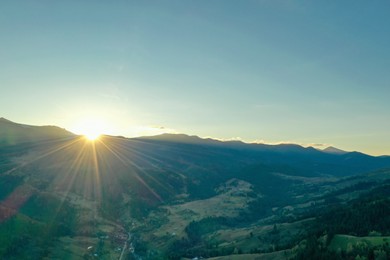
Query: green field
pixel 343 242
pixel 228 203
pixel 284 254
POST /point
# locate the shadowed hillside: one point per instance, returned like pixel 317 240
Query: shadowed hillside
pixel 173 196
pixel 12 133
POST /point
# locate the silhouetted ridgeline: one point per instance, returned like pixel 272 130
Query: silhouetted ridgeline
pixel 13 133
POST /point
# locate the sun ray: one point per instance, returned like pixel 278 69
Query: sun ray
pixel 141 155
pixel 23 192
pixel 73 168
pixel 97 172
pixel 41 156
pixel 128 162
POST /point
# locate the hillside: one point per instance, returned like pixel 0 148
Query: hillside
pixel 13 133
pixel 174 196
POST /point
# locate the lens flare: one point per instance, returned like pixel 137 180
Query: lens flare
pixel 92 136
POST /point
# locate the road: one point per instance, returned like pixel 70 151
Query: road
pixel 125 246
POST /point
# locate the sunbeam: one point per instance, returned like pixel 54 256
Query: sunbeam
pixel 126 161
pixel 42 156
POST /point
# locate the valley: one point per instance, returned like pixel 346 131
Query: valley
pixel 188 198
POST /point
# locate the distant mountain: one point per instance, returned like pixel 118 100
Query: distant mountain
pixel 334 150
pixel 181 138
pixel 305 161
pixel 235 144
pixel 12 133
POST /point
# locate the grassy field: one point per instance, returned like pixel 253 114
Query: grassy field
pixel 231 199
pixel 72 248
pixel 95 246
pixel 258 237
pixel 344 242
pixel 228 203
pixel 93 233
pixel 284 254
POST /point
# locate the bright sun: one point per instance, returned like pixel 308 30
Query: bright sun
pixel 92 136
pixel 90 128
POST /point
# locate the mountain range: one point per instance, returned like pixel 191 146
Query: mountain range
pixel 173 195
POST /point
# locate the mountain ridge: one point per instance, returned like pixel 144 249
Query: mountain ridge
pixel 12 133
pixel 283 147
pixel 50 131
pixel 334 150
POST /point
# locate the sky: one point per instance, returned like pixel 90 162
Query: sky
pixel 307 72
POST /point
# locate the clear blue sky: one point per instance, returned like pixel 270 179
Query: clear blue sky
pixel 308 72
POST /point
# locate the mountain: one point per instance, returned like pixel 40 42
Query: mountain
pixel 174 196
pixel 305 161
pixel 333 150
pixel 193 139
pixel 13 133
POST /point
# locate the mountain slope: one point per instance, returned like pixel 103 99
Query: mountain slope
pixel 306 161
pixel 334 150
pixel 13 133
pixel 168 196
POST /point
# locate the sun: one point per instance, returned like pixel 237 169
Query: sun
pixel 91 128
pixel 91 132
pixel 92 136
